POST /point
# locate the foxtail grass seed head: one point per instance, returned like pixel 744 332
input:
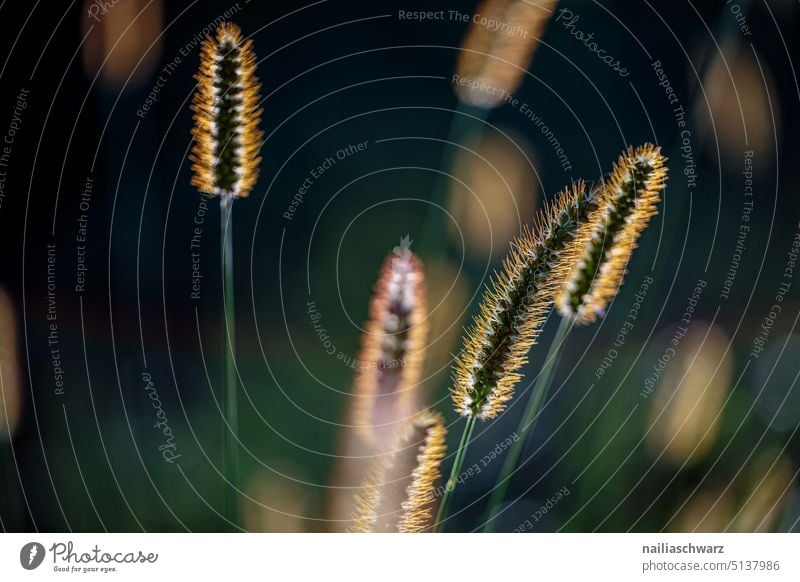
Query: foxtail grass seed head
pixel 390 362
pixel 604 244
pixel 226 115
pixel 498 47
pixel 514 307
pixel 399 493
pixel 387 379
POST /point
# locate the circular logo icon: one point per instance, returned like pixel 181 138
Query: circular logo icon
pixel 31 555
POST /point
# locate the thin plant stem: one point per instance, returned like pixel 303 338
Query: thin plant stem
pixel 454 473
pixel 527 423
pixel 230 406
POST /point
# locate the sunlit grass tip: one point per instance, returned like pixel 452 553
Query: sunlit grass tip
pixel 226 130
pixel 399 492
pixel 604 244
pixel 514 307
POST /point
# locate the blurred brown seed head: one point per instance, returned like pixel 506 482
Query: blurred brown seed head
pixel 687 405
pixel 386 390
pixel 395 335
pixel 494 194
pixel 740 111
pixel 498 47
pixel 123 41
pixel 10 369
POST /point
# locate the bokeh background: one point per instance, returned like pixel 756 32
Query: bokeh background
pixel 95 105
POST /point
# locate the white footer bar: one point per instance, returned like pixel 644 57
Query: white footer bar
pixel 353 558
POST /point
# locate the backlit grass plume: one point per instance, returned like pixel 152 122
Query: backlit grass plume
pixel 390 361
pixel 226 115
pixel 595 263
pixel 511 315
pixel 399 493
pixel 604 244
pixel 225 155
pixel 498 47
pixel 513 309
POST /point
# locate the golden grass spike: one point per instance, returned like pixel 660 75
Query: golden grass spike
pixel 605 243
pixel 398 494
pixel 419 508
pixel 514 307
pixel 498 47
pixel 390 362
pixel 226 115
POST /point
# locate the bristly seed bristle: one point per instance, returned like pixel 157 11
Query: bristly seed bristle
pixel 604 244
pixel 514 307
pixel 399 494
pixel 390 362
pixel 227 138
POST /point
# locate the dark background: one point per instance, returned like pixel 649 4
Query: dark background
pixel 339 73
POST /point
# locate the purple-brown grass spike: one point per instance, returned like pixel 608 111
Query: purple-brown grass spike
pixel 390 362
